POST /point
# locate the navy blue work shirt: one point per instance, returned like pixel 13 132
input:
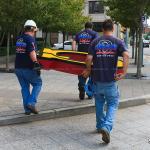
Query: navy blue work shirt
pixel 24 45
pixel 105 51
pixel 84 39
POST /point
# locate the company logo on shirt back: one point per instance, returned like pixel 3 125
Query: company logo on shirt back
pixel 105 48
pixel 85 38
pixel 20 46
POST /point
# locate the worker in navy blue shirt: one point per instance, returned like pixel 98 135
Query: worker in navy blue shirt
pixel 27 68
pixel 103 53
pixel 84 39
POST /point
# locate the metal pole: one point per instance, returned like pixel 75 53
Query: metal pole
pixel 142 54
pixel 7 55
pixel 133 44
pixel 126 38
pixel 139 65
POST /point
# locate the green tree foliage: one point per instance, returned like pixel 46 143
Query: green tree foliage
pixel 64 15
pixel 13 13
pixel 127 12
pixel 51 15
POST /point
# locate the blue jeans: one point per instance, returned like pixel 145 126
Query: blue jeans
pixel 27 78
pixel 106 93
pixel 88 88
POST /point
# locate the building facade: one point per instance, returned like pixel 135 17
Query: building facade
pixel 97 12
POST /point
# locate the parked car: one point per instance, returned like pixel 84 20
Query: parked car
pixel 146 43
pixel 67 45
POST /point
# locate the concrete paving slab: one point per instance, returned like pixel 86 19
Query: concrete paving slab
pixel 78 132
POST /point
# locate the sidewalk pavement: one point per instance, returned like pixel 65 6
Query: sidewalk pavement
pixel 59 95
pixel 131 132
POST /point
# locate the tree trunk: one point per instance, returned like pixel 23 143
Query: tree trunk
pixel 67 36
pixel 136 47
pixel 63 39
pixel 48 40
pixel 45 40
pixel 1 41
pixel 50 37
pixel 133 44
pixel 126 38
pixel 140 49
pixel 8 49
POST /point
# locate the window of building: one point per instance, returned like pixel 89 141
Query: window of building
pixel 96 7
pixel 97 26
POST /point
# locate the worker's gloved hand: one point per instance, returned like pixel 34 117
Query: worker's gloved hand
pixel 37 67
pixel 38 72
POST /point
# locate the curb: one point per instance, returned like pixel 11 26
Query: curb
pixel 3 70
pixel 69 111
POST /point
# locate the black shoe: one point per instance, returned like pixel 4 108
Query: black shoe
pixel 33 109
pixel 81 93
pixel 105 136
pixel 90 97
pixel 27 113
pixel 98 130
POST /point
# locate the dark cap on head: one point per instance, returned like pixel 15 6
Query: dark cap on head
pixel 89 25
pixel 108 25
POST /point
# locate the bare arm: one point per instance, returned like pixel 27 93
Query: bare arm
pixel 87 71
pixel 125 62
pixel 74 45
pixel 88 61
pixel 125 66
pixel 33 56
pixel 36 65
